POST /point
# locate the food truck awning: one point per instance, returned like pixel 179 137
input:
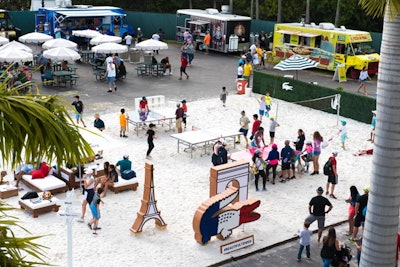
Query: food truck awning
pixel 198 22
pixel 304 34
pixel 288 32
pixel 86 13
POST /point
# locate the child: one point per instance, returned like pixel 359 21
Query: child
pixel 143 109
pixel 304 235
pixel 223 96
pixel 123 118
pixel 267 104
pixel 95 208
pixel 308 157
pixel 184 106
pixel 272 126
pixel 184 63
pixel 151 135
pixel 262 107
pixel 343 133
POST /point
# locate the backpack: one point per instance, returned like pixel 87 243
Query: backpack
pixel 328 167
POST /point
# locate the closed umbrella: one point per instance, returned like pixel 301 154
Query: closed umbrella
pixel 16 45
pixel 35 38
pixel 59 42
pixel 3 40
pixel 12 55
pixel 110 48
pixel 151 44
pixel 101 39
pixel 86 33
pixel 61 53
pixel 296 63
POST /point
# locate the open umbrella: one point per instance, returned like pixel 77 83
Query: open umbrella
pixel 110 48
pixel 11 55
pixel 151 44
pixel 86 33
pixel 61 53
pixel 35 38
pixel 101 39
pixel 296 63
pixel 59 42
pixel 3 40
pixel 16 45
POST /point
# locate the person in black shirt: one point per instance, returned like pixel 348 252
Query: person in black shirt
pixel 359 220
pixel 317 211
pixel 151 135
pixel 166 65
pixel 98 123
pixel 79 110
pixel 179 117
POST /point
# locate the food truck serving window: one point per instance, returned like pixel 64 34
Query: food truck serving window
pixel 198 22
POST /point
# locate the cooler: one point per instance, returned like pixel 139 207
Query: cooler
pixel 241 86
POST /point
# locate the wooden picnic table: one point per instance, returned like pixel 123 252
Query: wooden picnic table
pixel 65 76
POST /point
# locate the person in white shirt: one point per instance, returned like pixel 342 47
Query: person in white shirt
pixel 128 40
pixel 110 74
pixel 240 71
pixel 156 37
pixel 253 48
pixel 363 79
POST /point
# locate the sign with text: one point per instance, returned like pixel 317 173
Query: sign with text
pixel 238 244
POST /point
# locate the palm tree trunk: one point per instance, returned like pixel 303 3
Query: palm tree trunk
pixel 215 4
pixel 252 9
pixel 278 19
pixel 337 13
pixel 381 226
pixel 231 5
pixel 257 9
pixel 190 4
pixel 308 11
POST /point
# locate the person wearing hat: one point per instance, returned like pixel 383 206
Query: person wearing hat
pixel 373 124
pixel 89 183
pixel 124 164
pixel 166 65
pixel 179 117
pixel 316 209
pixel 151 135
pixel 260 163
pixel 343 133
pixel 361 209
pixel 332 176
pixel 139 35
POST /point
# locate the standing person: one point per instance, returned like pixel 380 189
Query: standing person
pixel 352 200
pixel 215 159
pixel 240 71
pixel 95 208
pixel 359 220
pixel 270 39
pixel 88 184
pixel 247 71
pixel 256 125
pixel 98 123
pixel 223 95
pixel 111 72
pixel 305 238
pixel 184 63
pixel 244 127
pixel 373 124
pixel 272 126
pixel 332 176
pixel 123 120
pixel 286 155
pixel 308 157
pixel 299 143
pixel 267 104
pixel 316 209
pixel 260 163
pixel 128 40
pixel 343 133
pixel 330 245
pixel 155 37
pixel 190 52
pixel 262 108
pixel 273 160
pixel 262 40
pixel 79 107
pixel 151 135
pixel 207 41
pixel 317 139
pixel 185 109
pixel 143 109
pixel 258 138
pixel 139 35
pixel 179 117
pixel 363 79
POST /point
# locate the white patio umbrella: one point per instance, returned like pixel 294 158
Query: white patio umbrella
pixel 61 53
pixel 3 40
pixel 35 38
pixel 296 63
pixel 12 55
pixel 101 39
pixel 110 48
pixel 16 45
pixel 151 44
pixel 59 42
pixel 86 33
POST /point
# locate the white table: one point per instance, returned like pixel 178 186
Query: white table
pixel 203 138
pixel 152 117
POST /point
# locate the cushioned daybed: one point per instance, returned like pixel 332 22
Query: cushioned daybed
pixel 123 184
pixel 49 183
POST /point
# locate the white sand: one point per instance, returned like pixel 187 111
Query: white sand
pixel 182 184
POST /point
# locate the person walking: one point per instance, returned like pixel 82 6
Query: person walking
pixel 89 184
pixel 305 238
pixel 286 156
pixel 267 104
pixel 352 200
pixel 151 135
pixel 260 163
pixel 272 126
pixel 223 96
pixel 332 176
pixel 262 107
pixel 79 107
pixel 373 124
pixel 360 211
pixel 258 138
pixel 244 127
pixel 185 109
pixel 190 52
pixel 318 139
pixel 184 63
pixel 123 121
pixel 256 125
pixel 139 35
pixel 179 117
pixel 363 79
pixel 207 41
pixel 273 160
pixel 316 209
pixel 95 208
pixel 343 133
pixel 330 245
pixel 128 40
pixel 111 72
pixel 247 71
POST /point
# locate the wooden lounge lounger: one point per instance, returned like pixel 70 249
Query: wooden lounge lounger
pixel 41 207
pixel 49 183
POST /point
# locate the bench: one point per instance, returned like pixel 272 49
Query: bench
pixel 152 101
pixel 49 183
pixel 40 207
pixel 141 70
pixel 99 74
pixel 123 185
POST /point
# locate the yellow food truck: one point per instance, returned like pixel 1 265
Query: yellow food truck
pixel 327 45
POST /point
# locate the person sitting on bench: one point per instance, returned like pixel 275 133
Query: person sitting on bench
pixel 125 168
pixel 166 65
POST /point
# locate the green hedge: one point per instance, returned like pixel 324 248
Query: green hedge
pixel 357 107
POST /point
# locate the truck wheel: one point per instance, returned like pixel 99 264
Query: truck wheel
pixel 353 73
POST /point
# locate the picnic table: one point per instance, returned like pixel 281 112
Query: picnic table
pixel 149 68
pixel 65 76
pixel 87 56
pixel 152 117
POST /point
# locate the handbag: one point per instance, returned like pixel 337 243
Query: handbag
pixel 254 169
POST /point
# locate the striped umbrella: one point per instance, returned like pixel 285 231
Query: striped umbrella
pixel 296 63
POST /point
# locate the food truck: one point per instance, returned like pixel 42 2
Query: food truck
pixel 229 33
pixel 7 27
pixel 327 45
pixel 107 19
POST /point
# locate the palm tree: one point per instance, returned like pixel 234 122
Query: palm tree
pixel 337 13
pixel 278 19
pixel 381 226
pixel 308 12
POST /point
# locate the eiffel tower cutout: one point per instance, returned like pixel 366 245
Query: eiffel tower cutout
pixel 148 210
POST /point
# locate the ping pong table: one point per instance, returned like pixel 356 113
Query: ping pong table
pixel 152 117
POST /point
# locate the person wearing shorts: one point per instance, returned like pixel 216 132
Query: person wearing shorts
pixel 179 117
pixel 95 208
pixel 316 208
pixel 244 127
pixel 79 110
pixel 333 176
pixel 359 220
pixel 272 126
pixel 111 72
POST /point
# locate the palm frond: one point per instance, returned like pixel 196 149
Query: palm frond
pixel 376 8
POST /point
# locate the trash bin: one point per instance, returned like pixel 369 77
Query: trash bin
pixel 124 56
pixel 147 56
pixel 134 55
pixel 241 85
pixel 248 91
